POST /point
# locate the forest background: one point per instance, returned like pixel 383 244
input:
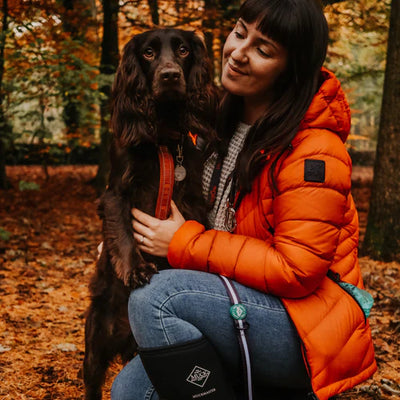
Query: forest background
pixel 57 63
pixel 53 72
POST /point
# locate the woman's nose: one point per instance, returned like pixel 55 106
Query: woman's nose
pixel 240 54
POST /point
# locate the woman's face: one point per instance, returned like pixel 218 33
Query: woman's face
pixel 251 63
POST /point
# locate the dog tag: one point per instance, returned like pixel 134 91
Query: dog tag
pixel 180 173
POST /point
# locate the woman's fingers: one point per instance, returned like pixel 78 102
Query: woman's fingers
pixel 144 227
pixel 141 230
pixel 176 214
pixel 138 227
pixel 144 243
pixel 153 235
pixel 144 218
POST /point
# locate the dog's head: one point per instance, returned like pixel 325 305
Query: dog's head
pixel 164 69
pixel 166 58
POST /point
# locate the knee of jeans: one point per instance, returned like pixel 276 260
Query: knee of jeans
pixel 119 390
pixel 145 302
pixel 139 299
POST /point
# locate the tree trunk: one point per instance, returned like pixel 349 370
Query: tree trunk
pixel 209 27
pixel 71 113
pixel 4 127
pixel 108 66
pixel 155 17
pixel 382 238
pixel 326 2
pixel 4 183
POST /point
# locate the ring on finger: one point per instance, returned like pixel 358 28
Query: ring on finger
pixel 142 239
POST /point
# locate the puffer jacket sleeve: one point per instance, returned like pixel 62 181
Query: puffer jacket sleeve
pixel 307 215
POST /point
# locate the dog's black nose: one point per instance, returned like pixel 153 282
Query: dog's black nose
pixel 170 75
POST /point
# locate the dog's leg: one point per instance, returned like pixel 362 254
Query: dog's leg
pixel 107 330
pixel 105 337
pixel 128 262
pixel 97 354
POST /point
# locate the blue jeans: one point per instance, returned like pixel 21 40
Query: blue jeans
pixel 181 305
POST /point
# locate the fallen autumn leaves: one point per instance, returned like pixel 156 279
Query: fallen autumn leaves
pixel 45 266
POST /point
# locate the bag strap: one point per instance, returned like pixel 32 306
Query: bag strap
pixel 238 312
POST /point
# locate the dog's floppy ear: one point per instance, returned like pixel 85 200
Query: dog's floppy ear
pixel 132 108
pixel 202 96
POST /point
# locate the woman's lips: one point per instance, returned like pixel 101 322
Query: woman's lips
pixel 235 70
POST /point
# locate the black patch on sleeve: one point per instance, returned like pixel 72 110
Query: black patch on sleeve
pixel 314 171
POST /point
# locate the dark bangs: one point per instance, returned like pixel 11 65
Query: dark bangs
pixel 297 26
pixel 274 19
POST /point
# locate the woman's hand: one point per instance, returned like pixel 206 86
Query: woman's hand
pixel 154 235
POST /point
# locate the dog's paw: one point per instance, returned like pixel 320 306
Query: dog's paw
pixel 141 274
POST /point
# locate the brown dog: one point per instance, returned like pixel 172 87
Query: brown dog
pixel 162 91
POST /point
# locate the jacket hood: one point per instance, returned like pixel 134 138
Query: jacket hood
pixel 329 108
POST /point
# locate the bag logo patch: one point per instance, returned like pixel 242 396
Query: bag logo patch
pixel 198 376
pixel 238 311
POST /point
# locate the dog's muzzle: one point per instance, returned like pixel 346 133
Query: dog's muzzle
pixel 169 82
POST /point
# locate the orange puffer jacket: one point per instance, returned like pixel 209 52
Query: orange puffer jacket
pixel 315 228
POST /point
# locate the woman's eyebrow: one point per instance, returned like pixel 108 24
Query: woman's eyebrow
pixel 240 21
pixel 261 38
pixel 267 42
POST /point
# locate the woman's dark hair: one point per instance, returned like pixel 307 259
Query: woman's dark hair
pixel 301 28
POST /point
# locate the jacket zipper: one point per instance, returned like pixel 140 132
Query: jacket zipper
pixel 311 395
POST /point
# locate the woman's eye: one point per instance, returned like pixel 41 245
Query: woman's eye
pixel 148 53
pixel 183 51
pixel 239 35
pixel 262 52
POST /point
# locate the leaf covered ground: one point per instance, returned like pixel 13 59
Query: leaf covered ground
pixel 48 240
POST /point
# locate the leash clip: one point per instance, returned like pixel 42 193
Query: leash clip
pixel 241 326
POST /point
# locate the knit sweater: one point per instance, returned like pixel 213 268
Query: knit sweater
pixel 216 217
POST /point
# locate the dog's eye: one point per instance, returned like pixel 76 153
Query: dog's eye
pixel 183 51
pixel 148 53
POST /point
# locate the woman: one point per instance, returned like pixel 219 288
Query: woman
pixel 281 183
